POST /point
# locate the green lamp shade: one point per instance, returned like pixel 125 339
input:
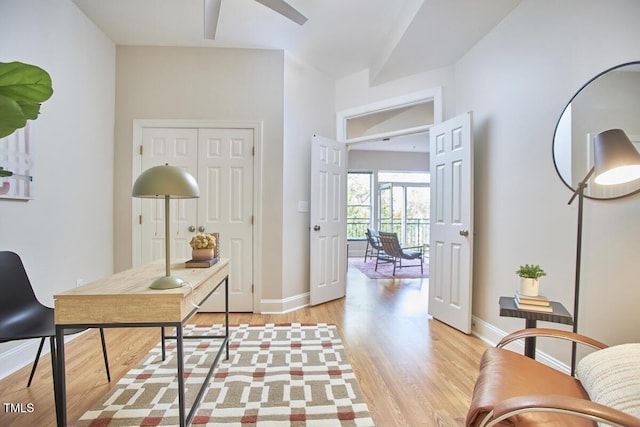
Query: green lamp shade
pixel 616 160
pixel 165 180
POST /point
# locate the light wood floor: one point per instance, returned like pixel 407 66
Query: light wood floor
pixel 413 370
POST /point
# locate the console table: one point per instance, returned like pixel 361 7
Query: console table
pixel 558 315
pixel 125 300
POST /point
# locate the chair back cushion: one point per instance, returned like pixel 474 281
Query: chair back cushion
pixel 390 244
pixel 373 238
pixel 611 377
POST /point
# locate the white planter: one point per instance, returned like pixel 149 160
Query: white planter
pixel 529 287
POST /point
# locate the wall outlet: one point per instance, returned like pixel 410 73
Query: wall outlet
pixel 79 282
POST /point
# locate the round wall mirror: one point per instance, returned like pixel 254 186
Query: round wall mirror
pixel 611 100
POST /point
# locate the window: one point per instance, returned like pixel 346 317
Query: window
pixel 404 200
pixel 410 113
pixel 358 204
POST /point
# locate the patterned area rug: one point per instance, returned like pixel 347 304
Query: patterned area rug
pixel 385 271
pixel 277 375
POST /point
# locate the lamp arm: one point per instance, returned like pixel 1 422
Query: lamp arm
pixel 582 185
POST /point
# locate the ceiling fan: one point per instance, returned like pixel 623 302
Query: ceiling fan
pixel 212 13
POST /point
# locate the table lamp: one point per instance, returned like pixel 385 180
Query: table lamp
pixel 166 182
pixel 616 161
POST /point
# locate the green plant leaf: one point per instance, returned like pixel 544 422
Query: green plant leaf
pixel 29 110
pixel 22 88
pixel 25 82
pixel 531 271
pixel 11 116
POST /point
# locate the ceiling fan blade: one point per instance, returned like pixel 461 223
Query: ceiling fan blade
pixel 284 9
pixel 211 15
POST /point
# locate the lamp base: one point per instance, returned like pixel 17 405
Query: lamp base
pixel 167 282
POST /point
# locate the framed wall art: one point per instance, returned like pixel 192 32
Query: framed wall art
pixel 16 164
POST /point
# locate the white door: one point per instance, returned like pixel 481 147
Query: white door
pixel 225 176
pixel 451 242
pixel 176 147
pixel 328 223
pixel 221 160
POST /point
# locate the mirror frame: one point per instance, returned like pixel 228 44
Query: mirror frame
pixel 553 145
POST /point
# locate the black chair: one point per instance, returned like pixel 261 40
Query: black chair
pixel 395 253
pixel 373 244
pixel 23 317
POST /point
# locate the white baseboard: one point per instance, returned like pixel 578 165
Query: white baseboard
pixel 24 354
pixel 492 335
pixel 355 253
pixel 486 331
pixel 280 306
pixel 18 357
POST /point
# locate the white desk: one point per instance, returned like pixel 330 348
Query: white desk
pixel 125 300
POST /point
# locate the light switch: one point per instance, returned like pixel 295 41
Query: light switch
pixel 303 206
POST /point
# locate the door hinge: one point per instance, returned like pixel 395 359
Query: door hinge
pixel 251 219
pixel 252 288
pixel 140 219
pixel 141 150
pixel 253 151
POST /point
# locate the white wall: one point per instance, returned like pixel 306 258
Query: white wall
pixel 204 83
pixel 354 90
pixel 66 232
pixel 309 99
pixel 517 81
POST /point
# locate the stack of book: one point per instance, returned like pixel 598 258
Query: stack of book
pixel 200 263
pixel 538 303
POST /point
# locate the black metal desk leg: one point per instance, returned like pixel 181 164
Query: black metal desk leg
pixel 226 312
pixel 59 378
pixel 104 354
pixel 162 334
pixel 180 360
pixel 530 342
pixel 54 365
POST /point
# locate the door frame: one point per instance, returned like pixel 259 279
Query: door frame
pixel 257 127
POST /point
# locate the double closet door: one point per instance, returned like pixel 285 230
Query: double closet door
pixel 221 160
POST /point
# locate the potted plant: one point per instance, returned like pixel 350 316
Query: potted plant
pixel 530 279
pixel 203 246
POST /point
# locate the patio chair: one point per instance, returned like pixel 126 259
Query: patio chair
pixel 394 253
pixel 373 244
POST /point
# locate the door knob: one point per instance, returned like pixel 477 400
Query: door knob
pixel 464 232
pixel 201 229
pixel 192 228
pixel 316 228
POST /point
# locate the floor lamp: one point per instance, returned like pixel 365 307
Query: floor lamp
pixel 616 161
pixel 166 182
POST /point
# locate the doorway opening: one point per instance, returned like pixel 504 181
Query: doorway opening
pixel 391 201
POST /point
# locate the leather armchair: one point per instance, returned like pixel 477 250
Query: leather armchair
pixel 514 390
